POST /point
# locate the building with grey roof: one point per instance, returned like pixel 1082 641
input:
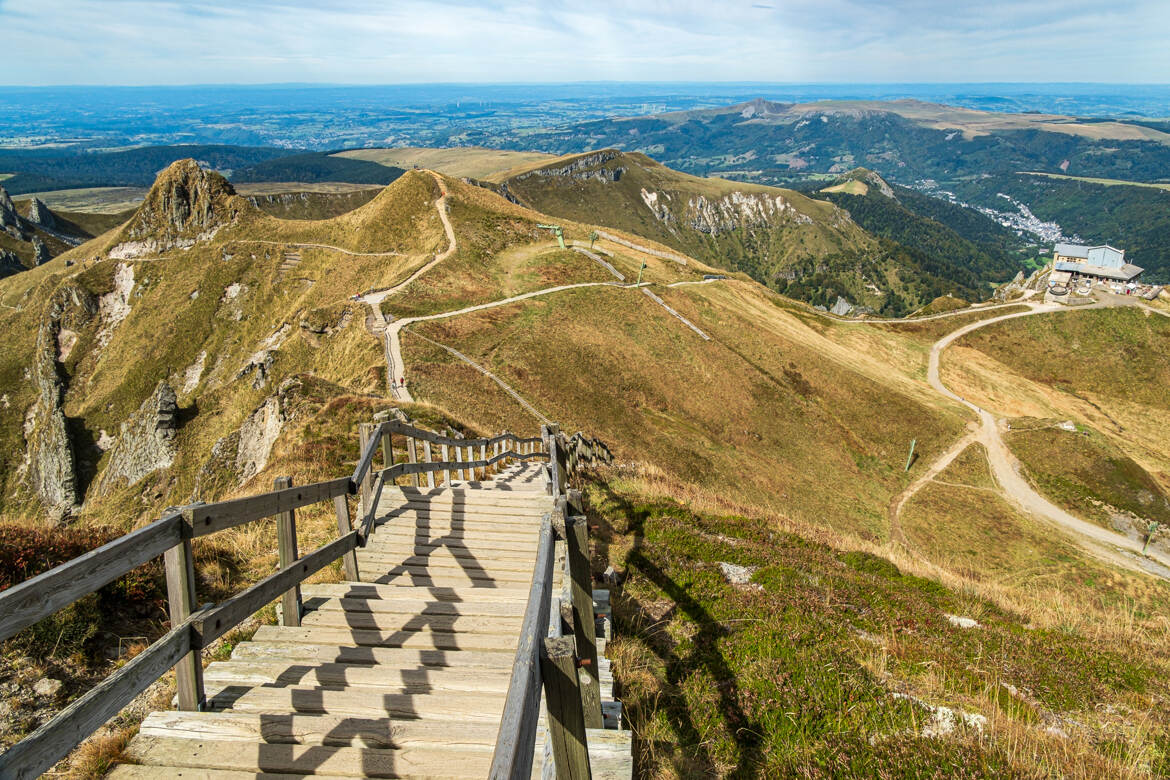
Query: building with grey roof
pixel 1095 262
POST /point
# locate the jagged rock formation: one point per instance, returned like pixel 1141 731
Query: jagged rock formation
pixel 50 468
pixel 8 215
pixel 584 168
pixel 9 263
pixel 187 204
pixel 146 442
pixel 41 254
pixel 40 214
pixel 242 454
pixel 842 308
pixel 737 210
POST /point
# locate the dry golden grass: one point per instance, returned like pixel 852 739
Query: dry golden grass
pixel 470 161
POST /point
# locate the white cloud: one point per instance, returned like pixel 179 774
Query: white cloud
pixel 361 41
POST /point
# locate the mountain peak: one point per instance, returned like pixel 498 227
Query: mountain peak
pixel 859 181
pixel 187 203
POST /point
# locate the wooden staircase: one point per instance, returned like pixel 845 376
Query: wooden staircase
pixel 403 673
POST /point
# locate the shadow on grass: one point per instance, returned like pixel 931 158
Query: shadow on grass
pixel 705 654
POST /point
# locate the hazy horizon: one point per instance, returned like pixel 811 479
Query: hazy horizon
pixel 134 43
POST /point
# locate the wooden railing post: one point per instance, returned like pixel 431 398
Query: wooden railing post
pixel 344 526
pixel 444 454
pixel 427 455
pixel 286 547
pixel 365 433
pixel 566 724
pixel 483 475
pixel 412 457
pixel 387 449
pixel 180 567
pixel 584 629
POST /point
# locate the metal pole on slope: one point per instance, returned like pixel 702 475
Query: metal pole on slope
pixel 910 457
pixel 1150 536
pixel 640 270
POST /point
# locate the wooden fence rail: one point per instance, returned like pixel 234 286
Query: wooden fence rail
pixel 23 605
pixel 564 668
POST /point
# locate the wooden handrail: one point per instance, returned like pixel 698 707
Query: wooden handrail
pixel 33 600
pixel 516 739
pixel 52 741
pixel 29 602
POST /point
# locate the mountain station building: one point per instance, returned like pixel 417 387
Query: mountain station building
pixel 1072 262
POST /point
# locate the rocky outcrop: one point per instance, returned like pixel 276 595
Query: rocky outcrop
pixel 146 443
pixel 842 308
pixel 242 454
pixel 50 467
pixel 39 213
pixel 8 215
pixel 187 204
pixel 41 254
pixel 730 212
pixel 9 263
pixel 583 168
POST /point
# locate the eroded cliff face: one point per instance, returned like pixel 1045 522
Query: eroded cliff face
pixel 731 212
pixel 146 442
pixel 590 166
pixel 50 465
pixel 187 204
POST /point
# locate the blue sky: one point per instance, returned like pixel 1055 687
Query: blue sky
pixel 362 41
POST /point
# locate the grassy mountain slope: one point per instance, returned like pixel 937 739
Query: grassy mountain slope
pixel 784 434
pixel 903 140
pixel 879 209
pixel 805 248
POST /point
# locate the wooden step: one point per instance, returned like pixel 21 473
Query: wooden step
pixel 362 702
pixel 314 653
pixel 388 622
pixel 394 528
pixel 404 547
pixel 418 640
pixel 402 680
pixel 483 514
pixel 431 762
pixel 483 566
pixel 454 581
pixel 316 600
pixel 135 772
pixel 466 595
pixel 335 730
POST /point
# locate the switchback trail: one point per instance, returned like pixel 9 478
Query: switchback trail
pixel 1107 544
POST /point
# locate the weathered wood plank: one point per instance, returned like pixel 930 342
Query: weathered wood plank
pixel 31 601
pixel 321 600
pixel 345 526
pixel 363 702
pixel 583 618
pixel 451 441
pixel 566 723
pixel 415 681
pixel 208 518
pixel 416 640
pixel 286 547
pixel 223 617
pixel 369 590
pixel 368 439
pixel 388 622
pixel 336 730
pixel 181 600
pixel 513 754
pixel 53 741
pixel 431 762
pixel 412 657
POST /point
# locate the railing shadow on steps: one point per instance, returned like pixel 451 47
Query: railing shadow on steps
pixel 557 650
pixel 192 628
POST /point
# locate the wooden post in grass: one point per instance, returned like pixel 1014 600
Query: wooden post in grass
pixel 910 457
pixel 566 724
pixel 180 566
pixel 286 547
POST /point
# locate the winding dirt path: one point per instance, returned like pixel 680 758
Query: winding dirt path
pixel 1107 544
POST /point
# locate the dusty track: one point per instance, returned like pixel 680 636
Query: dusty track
pixel 1110 546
